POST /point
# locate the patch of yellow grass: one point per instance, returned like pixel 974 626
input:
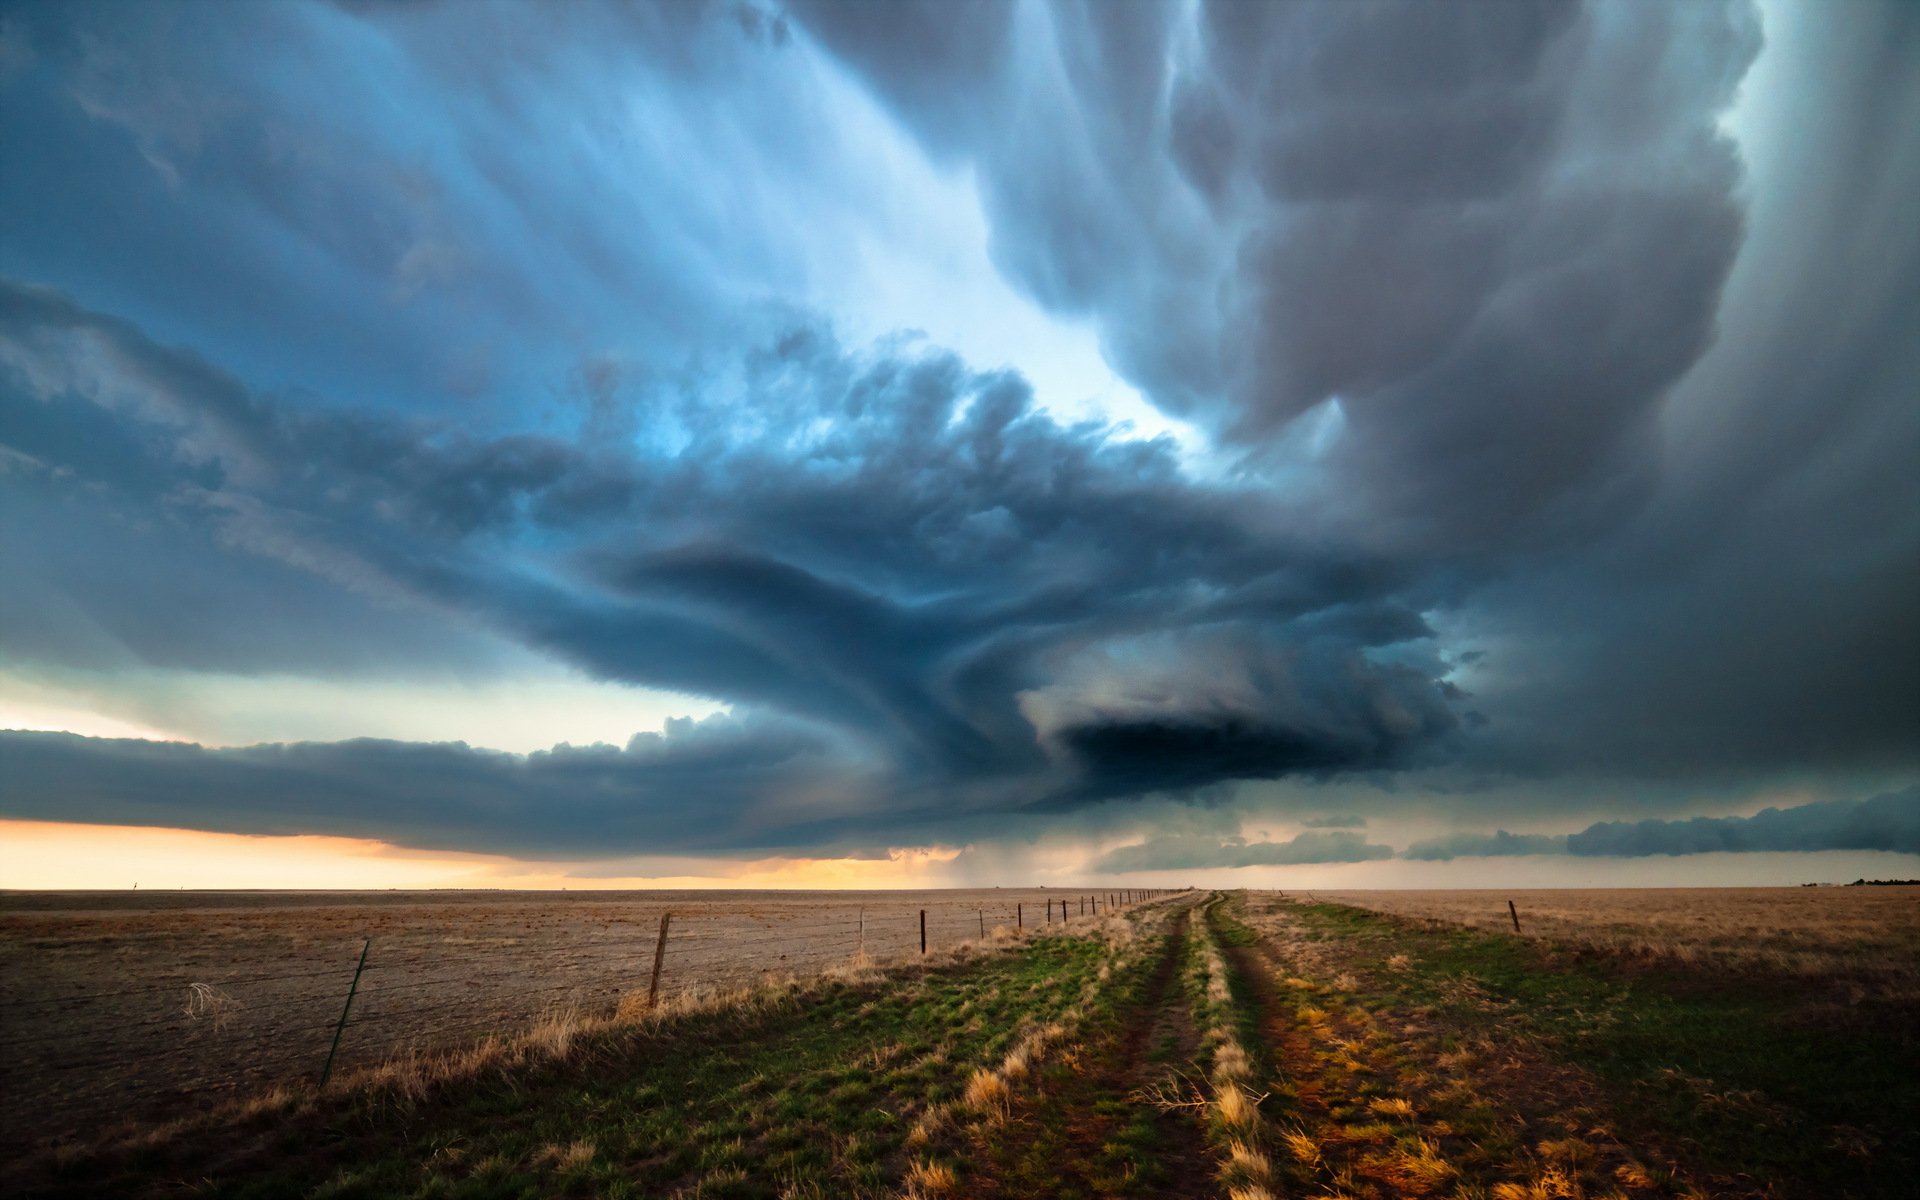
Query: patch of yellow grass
pixel 988 1093
pixel 1551 1184
pixel 1571 1151
pixel 1302 1146
pixel 927 1179
pixel 571 1154
pixel 1633 1175
pixel 1245 1161
pixel 1237 1110
pixel 1420 1169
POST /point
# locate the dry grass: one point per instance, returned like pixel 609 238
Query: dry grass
pixel 1869 933
pixel 927 1179
pixel 565 1032
pixel 176 990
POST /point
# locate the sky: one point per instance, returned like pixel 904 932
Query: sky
pixel 829 444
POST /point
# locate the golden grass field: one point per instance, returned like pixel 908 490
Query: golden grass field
pixel 125 1004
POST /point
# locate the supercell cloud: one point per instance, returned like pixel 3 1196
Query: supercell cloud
pixel 1547 373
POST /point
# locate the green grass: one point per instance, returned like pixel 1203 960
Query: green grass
pixel 1080 1133
pixel 815 1096
pixel 1753 1076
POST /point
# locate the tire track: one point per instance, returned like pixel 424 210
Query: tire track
pixel 1087 1129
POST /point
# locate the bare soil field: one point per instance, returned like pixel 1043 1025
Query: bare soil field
pixel 1867 933
pixel 128 1005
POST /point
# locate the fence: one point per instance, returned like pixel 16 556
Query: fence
pixel 181 1035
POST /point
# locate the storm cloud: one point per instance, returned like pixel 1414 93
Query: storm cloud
pixel 1498 844
pixel 1885 822
pixel 1194 852
pixel 963 639
pixel 1546 369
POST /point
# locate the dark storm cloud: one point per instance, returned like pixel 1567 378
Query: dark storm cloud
pixel 699 787
pixel 1336 821
pixel 1885 822
pixel 1471 226
pixel 1495 281
pixel 1889 822
pixel 1520 385
pixel 1193 852
pixel 1498 844
pixel 990 610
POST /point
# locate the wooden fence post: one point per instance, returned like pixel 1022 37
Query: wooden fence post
pixel 923 931
pixel 1019 917
pixel 1515 914
pixel 326 1072
pixel 863 933
pixel 659 957
pixel 983 923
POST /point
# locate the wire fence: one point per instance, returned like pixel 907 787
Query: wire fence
pixel 177 1038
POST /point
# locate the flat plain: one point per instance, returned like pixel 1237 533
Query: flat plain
pixel 119 1005
pixel 1243 1045
pixel 1862 933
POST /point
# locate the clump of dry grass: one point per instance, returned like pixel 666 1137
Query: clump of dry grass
pixel 927 1179
pixel 1418 1169
pixel 988 1094
pixel 208 1003
pixel 565 1156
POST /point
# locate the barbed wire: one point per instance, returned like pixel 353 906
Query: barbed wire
pixel 701 950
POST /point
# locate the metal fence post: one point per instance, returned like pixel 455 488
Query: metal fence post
pixel 326 1072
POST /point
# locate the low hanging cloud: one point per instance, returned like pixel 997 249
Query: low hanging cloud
pixel 708 786
pixel 1336 821
pixel 1499 844
pixel 1201 851
pixel 1890 821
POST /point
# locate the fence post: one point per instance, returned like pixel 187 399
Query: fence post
pixel 1019 917
pixel 863 933
pixel 1515 914
pixel 326 1072
pixel 659 957
pixel 982 913
pixel 923 931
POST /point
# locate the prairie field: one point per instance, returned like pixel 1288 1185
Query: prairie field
pixel 1867 933
pixel 119 1005
pixel 1241 1045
